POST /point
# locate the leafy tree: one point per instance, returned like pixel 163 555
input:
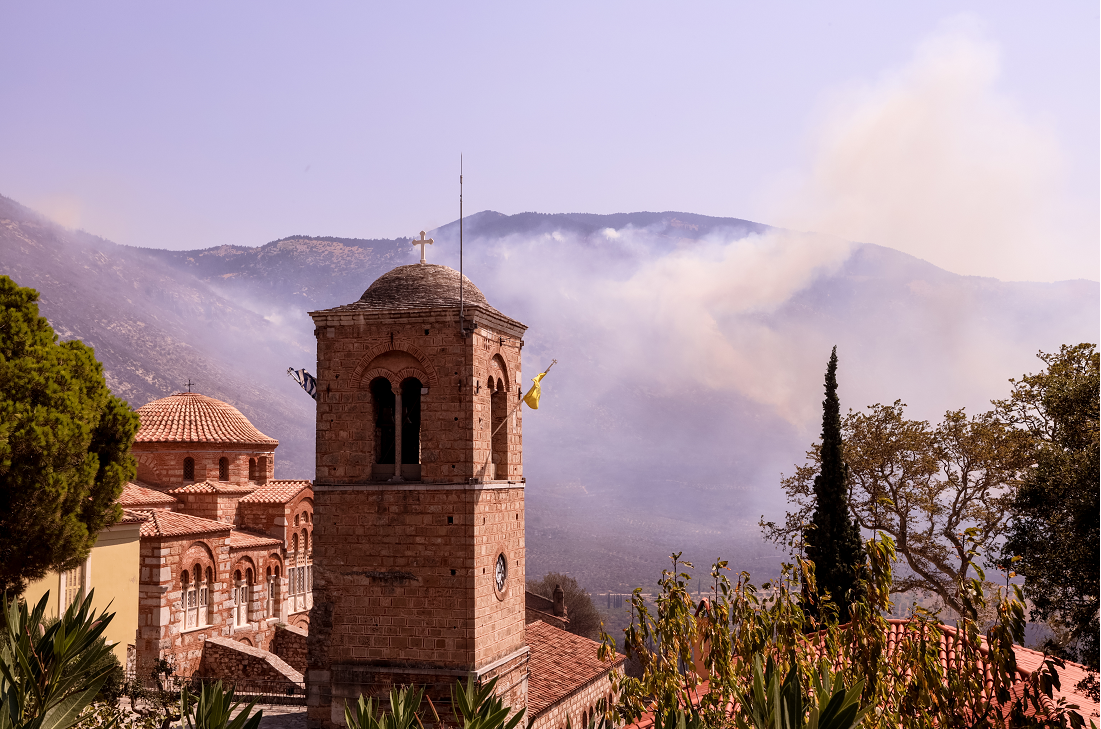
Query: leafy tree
pixel 942 494
pixel 832 538
pixel 64 445
pixel 583 614
pixel 1054 530
pixel 708 661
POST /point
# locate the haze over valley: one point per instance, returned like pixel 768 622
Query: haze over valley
pixel 690 353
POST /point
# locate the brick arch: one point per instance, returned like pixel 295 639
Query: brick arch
pixel 364 362
pixel 275 561
pixel 198 551
pixel 244 563
pixel 504 368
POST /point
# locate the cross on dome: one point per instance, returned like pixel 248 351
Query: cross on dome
pixel 422 243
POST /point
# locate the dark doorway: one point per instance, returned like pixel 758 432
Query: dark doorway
pixel 383 399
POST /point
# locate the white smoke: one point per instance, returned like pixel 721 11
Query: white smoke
pixel 932 159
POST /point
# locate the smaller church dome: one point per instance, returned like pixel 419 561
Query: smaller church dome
pixel 188 417
pixel 420 286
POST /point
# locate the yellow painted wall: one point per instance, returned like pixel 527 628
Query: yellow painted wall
pixel 112 571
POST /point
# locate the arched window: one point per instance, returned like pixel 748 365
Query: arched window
pixel 294 542
pixel 240 599
pixel 223 469
pixel 189 469
pixel 274 593
pixel 188 593
pixel 296 517
pixel 206 598
pixel 252 469
pixel 498 411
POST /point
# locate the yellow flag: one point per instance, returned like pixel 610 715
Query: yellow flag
pixel 532 398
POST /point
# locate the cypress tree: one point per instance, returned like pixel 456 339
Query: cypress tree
pixel 832 538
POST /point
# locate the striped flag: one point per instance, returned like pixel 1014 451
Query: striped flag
pixel 305 379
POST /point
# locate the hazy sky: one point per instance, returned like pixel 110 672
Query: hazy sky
pixel 965 133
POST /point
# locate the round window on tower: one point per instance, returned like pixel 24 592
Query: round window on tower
pixel 500 576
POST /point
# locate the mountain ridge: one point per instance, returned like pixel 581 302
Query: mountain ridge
pixel 690 358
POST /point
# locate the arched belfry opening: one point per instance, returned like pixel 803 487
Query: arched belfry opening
pixel 382 399
pixel 411 422
pixel 498 410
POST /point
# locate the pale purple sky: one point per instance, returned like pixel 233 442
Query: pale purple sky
pixel 191 125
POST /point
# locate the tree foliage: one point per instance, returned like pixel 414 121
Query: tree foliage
pixel 942 493
pixel 583 615
pixel 64 445
pixel 704 660
pixel 831 536
pixel 1054 530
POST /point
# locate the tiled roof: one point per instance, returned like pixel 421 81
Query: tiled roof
pixel 561 663
pixel 248 540
pixel 276 492
pixel 137 496
pixel 188 417
pixel 163 523
pixel 213 487
pixel 130 516
pixel 420 286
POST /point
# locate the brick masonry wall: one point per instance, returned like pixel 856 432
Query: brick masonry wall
pixel 161 464
pixel 161 630
pixel 405 577
pixel 289 644
pixel 354 348
pixel 583 701
pixel 227 659
pixel 219 507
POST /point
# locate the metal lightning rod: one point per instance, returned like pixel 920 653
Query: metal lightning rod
pixel 462 316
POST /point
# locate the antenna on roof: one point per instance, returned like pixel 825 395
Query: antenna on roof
pixel 462 318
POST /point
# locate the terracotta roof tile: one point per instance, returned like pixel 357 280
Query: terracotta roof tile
pixel 248 540
pixel 276 492
pixel 561 663
pixel 213 487
pixel 188 417
pixel 136 496
pixel 130 516
pixel 163 523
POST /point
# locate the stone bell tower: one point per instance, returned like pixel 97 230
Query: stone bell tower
pixel 419 496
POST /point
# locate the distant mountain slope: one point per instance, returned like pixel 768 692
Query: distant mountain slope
pixel 154 327
pixel 691 351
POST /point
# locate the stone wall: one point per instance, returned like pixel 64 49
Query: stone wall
pixel 161 619
pixel 161 464
pixel 289 644
pixel 577 705
pixel 228 659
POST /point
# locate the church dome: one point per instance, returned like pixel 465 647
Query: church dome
pixel 420 286
pixel 188 417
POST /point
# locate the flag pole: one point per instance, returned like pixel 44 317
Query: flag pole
pixel 517 407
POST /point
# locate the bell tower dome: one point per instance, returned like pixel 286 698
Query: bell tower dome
pixel 419 494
